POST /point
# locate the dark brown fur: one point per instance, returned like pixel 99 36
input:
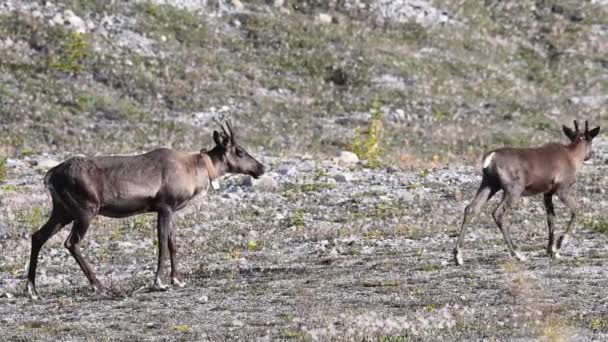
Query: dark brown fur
pixel 161 181
pixel 549 170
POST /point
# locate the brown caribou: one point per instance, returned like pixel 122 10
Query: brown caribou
pixel 161 181
pixel 549 170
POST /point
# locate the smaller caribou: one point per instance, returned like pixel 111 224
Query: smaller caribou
pixel 549 170
pixel 161 181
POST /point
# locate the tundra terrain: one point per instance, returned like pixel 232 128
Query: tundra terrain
pixel 323 247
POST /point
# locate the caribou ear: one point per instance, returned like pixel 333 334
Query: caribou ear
pixel 217 138
pixel 593 133
pixel 569 132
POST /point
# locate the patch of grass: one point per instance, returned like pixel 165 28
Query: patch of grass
pixel 381 211
pixel 293 334
pixel 556 330
pixel 368 144
pixel 431 267
pixel 33 218
pixel 171 22
pixel 374 234
pixel 599 324
pixel 253 246
pixel 183 328
pixel 598 224
pixel 394 338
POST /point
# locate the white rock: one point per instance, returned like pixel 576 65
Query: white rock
pixel 279 3
pixel 347 158
pixel 237 5
pixel 74 22
pixel 46 163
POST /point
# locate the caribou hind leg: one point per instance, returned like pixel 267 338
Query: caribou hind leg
pixel 59 219
pixel 551 245
pixel 506 204
pixel 72 243
pixel 484 193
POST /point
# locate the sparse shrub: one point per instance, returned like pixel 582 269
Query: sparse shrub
pixel 2 168
pixel 253 245
pixel 73 49
pixel 368 144
pixel 183 328
pixel 298 218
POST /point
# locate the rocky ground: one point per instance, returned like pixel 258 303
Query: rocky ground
pixel 317 250
pixel 324 247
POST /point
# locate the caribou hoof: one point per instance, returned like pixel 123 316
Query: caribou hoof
pixel 458 258
pixel 520 256
pixel 32 293
pixel 176 282
pixel 562 241
pixel 159 286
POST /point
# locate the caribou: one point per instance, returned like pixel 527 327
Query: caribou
pixel 161 181
pixel 549 170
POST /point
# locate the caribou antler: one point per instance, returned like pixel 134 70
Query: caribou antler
pixel 229 125
pixel 576 131
pixel 586 126
pixel 215 119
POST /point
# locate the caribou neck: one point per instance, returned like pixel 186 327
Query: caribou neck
pixel 214 163
pixel 577 152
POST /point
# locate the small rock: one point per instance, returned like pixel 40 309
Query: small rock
pixel 75 22
pixel 265 183
pixel 237 323
pixel 238 5
pixel 347 158
pixel 279 3
pixel 287 170
pixel 247 181
pixel 343 177
pixel 203 299
pixel 324 18
pixel 592 101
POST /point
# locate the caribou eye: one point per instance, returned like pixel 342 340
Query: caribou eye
pixel 239 152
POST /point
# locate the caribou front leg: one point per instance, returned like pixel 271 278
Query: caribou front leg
pixel 163 229
pixel 172 253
